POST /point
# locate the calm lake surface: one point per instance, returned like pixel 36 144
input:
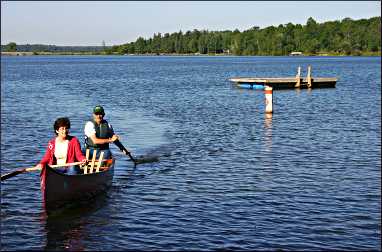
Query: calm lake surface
pixel 229 177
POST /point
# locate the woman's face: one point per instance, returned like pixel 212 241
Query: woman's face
pixel 62 132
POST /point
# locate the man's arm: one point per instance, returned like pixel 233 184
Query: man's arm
pixel 90 132
pixel 97 140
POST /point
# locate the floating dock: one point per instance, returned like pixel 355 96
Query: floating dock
pixel 286 82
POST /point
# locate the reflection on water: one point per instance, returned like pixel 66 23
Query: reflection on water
pixel 66 228
pixel 268 130
pixel 65 234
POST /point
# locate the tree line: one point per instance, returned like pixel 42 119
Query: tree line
pixel 13 47
pixel 346 37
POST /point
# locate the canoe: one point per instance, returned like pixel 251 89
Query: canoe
pixel 59 189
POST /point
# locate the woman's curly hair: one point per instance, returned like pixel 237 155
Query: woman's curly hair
pixel 61 122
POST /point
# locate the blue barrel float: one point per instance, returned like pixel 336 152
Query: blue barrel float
pixel 250 85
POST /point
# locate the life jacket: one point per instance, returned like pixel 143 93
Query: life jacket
pixel 103 131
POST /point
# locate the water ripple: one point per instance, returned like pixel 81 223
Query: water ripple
pixel 229 177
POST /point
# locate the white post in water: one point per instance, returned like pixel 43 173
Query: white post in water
pixel 309 76
pixel 298 77
pixel 268 91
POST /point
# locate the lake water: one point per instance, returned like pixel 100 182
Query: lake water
pixel 229 177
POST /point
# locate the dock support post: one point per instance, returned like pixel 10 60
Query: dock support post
pixel 298 77
pixel 268 91
pixel 309 76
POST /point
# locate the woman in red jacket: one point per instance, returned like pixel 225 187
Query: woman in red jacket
pixel 63 148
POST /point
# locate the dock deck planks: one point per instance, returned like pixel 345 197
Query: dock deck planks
pixel 287 82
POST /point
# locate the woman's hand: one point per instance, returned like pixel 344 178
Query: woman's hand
pixel 84 162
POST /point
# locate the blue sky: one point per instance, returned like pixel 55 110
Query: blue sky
pixel 90 23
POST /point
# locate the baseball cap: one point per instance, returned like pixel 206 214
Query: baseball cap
pixel 98 109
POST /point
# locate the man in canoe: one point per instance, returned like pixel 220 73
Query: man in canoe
pixel 99 134
pixel 63 149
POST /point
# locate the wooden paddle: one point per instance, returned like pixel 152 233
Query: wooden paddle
pixel 130 156
pixel 30 169
pixel 121 147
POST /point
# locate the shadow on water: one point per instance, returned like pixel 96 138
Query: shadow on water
pixel 142 159
pixel 67 228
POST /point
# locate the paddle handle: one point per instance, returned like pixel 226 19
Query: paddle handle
pixel 29 169
pixel 53 166
pixel 32 169
pixel 63 165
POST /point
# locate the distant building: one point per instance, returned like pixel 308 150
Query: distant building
pixel 296 54
pixel 227 51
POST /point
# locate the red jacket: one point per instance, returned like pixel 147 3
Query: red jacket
pixel 74 152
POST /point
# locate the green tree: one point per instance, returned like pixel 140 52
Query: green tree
pixel 156 46
pixel 11 47
pixel 193 45
pixel 352 37
pixel 203 44
pixel 140 46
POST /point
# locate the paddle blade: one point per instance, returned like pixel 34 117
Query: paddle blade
pixel 11 174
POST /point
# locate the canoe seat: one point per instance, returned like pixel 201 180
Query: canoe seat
pixel 95 165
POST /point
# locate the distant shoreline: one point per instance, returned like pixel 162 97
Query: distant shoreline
pixel 47 53
pixel 164 54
